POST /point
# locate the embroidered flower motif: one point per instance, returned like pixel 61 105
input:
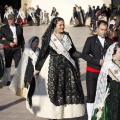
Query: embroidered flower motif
pixel 116 71
pixel 54 39
pixel 66 42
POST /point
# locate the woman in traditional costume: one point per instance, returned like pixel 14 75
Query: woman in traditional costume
pixel 30 16
pixel 107 101
pixel 58 92
pixel 21 17
pixel 24 72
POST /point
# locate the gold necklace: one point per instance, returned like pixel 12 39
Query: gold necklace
pixel 61 36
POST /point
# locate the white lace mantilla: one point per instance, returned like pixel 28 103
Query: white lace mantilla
pixel 102 79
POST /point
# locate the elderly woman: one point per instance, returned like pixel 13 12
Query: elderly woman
pixel 58 92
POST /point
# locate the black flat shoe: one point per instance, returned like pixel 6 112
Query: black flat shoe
pixel 29 101
pixel 8 83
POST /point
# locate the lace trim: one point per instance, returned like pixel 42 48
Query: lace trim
pixel 66 42
pixel 64 86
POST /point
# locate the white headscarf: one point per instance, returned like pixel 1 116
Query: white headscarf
pixel 102 79
pixel 18 79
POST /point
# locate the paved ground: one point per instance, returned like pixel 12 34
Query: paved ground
pixel 13 107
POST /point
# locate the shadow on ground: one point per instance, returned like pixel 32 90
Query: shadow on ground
pixel 11 104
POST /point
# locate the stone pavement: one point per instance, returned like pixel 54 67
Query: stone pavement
pixel 13 107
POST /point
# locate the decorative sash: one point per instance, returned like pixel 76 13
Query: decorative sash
pixel 114 72
pixel 60 49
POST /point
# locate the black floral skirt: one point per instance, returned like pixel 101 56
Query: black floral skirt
pixel 64 85
pixel 113 101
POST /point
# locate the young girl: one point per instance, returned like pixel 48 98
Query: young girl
pixel 24 73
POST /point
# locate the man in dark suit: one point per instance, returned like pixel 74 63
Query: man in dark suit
pixel 37 15
pixel 93 52
pixel 11 36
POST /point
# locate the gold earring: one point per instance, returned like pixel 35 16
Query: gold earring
pixel 114 58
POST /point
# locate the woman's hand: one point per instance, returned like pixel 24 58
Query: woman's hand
pixel 36 73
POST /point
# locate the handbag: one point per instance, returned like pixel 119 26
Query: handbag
pixel 22 92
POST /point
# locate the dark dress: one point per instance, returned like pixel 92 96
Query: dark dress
pixel 113 100
pixel 111 110
pixel 64 85
pixel 28 73
pixel 29 81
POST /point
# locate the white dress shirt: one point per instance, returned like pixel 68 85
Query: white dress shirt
pixel 102 40
pixel 13 29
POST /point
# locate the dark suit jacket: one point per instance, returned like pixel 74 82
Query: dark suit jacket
pixel 6 32
pixel 37 12
pixel 93 51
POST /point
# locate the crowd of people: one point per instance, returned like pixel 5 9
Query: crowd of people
pixel 50 76
pixel 95 14
pixel 26 15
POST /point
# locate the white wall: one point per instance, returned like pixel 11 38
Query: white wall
pixel 65 7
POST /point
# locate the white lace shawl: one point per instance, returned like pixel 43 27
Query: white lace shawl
pixel 102 79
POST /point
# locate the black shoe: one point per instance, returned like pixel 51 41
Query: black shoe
pixel 29 101
pixel 8 83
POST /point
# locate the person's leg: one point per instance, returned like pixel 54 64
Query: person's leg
pixel 8 62
pixel 91 83
pixel 8 71
pixel 31 91
pixel 38 21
